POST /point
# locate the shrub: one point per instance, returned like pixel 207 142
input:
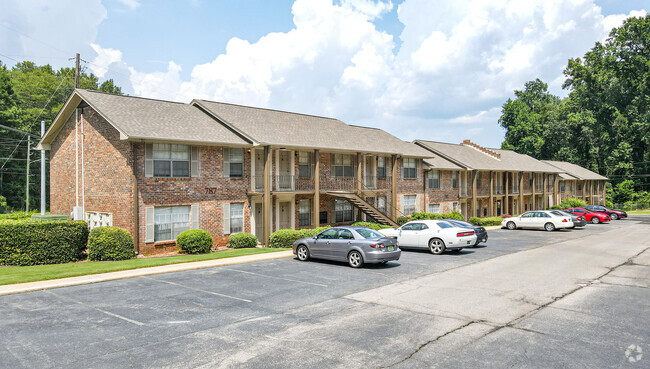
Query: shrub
pixel 194 241
pixel 287 237
pixel 402 220
pixel 486 222
pixel 453 215
pixel 16 215
pixel 3 204
pixel 571 202
pixel 110 243
pixel 25 242
pixel 475 220
pixel 371 225
pixel 242 241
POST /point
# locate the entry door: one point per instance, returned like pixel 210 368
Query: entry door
pixel 284 171
pixel 370 175
pixel 259 221
pixel 498 208
pixel 285 215
pixel 259 170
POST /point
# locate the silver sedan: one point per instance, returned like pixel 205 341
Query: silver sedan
pixel 356 245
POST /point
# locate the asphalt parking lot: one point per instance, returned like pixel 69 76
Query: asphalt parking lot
pixel 186 319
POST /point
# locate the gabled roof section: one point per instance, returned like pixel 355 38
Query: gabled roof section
pixel 576 170
pixel 469 157
pixel 438 162
pixel 294 130
pixel 139 118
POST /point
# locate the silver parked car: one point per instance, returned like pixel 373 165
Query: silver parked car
pixel 356 245
pixel 578 220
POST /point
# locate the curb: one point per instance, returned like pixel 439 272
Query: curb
pixel 11 289
pixel 493 228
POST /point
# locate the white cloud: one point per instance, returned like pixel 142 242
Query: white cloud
pixel 131 4
pixel 105 57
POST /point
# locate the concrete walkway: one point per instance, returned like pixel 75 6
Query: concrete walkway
pixel 93 278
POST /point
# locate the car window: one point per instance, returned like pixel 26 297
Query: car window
pixel 528 215
pixel 369 234
pixel 423 226
pixel 409 227
pixel 578 211
pixel 344 234
pixel 541 214
pixel 559 214
pixel 328 234
pixel 444 225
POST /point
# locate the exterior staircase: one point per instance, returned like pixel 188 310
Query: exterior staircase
pixel 364 206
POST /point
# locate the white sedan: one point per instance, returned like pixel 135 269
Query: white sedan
pixel 549 220
pixel 436 235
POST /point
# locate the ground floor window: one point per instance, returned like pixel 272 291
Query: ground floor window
pixel 304 213
pixel 344 211
pixel 454 206
pixel 434 208
pixel 236 217
pixel 170 221
pixel 381 204
pixel 408 205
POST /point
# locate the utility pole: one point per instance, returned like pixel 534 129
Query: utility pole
pixel 29 147
pixel 42 171
pixel 76 71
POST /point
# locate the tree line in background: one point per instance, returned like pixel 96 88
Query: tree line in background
pixel 604 122
pixel 28 94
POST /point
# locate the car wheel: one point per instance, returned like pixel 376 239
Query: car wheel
pixel 613 216
pixel 595 220
pixel 355 259
pixel 549 226
pixel 303 253
pixel 511 225
pixel 436 246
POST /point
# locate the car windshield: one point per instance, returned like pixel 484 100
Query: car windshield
pixel 369 234
pixel 444 225
pixel 559 214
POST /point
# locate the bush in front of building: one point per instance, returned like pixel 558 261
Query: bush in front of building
pixel 26 242
pixel 572 202
pixel 17 215
pixel 486 222
pixel 402 220
pixel 110 244
pixel 194 241
pixel 285 238
pixel 453 215
pixel 242 240
pixel 371 225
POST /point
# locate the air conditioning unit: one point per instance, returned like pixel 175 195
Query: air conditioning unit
pixel 78 213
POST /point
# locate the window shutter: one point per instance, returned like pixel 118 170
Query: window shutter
pixel 148 160
pixel 226 163
pixel 226 218
pixel 149 224
pixel 194 161
pixel 194 216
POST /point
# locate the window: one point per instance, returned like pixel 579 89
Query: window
pixel 328 234
pixel 478 179
pixel 409 168
pixel 236 217
pixel 322 217
pixel 530 180
pixel 408 205
pixel 528 215
pixel 381 204
pixel 344 211
pixel 381 167
pixel 344 234
pixel 515 183
pixel 236 163
pixel 454 206
pixel 562 186
pixel 579 186
pixel 434 208
pixel 169 222
pixel 304 213
pixel 343 165
pixel 433 179
pixel 454 179
pixel 304 164
pixel 170 160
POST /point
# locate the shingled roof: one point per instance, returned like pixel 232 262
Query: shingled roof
pixel 575 170
pixel 469 157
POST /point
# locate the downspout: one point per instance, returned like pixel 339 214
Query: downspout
pixel 83 169
pixel 76 158
pixel 136 201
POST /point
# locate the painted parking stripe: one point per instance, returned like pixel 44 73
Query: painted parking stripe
pixel 95 308
pixel 274 277
pixel 198 289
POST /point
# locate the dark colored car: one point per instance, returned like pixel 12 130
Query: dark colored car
pixel 356 245
pixel 578 220
pixel 481 233
pixel 589 216
pixel 613 214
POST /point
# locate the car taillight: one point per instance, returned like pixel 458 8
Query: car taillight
pixel 579 218
pixel 564 220
pixel 463 234
pixel 377 246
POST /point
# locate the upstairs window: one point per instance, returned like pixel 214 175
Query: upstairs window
pixel 236 162
pixel 478 179
pixel 454 179
pixel 433 179
pixel 381 167
pixel 343 165
pixel 171 160
pixel 304 164
pixel 409 168
pixel 562 186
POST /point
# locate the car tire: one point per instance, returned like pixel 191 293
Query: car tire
pixel 549 227
pixel 355 259
pixel 436 246
pixel 613 217
pixel 595 220
pixel 302 252
pixel 511 226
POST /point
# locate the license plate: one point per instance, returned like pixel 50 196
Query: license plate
pixel 391 248
pixel 468 242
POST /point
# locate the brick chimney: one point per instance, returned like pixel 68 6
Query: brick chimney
pixel 482 149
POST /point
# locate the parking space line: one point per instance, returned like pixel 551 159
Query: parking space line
pixel 95 308
pixel 198 289
pixel 274 277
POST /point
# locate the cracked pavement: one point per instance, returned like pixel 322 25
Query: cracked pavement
pixel 529 299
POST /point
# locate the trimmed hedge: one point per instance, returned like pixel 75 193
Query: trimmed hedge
pixel 109 244
pixel 453 215
pixel 371 225
pixel 486 222
pixel 286 237
pixel 16 215
pixel 26 242
pixel 194 241
pixel 242 240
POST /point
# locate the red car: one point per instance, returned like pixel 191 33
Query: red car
pixel 589 215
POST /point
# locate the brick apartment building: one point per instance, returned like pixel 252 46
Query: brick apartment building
pixel 157 168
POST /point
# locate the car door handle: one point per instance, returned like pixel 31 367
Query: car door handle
pixel 349 242
pixel 327 242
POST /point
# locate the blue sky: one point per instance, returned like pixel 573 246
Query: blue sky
pixel 429 69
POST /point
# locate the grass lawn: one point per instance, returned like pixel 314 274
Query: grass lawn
pixel 21 274
pixel 646 211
